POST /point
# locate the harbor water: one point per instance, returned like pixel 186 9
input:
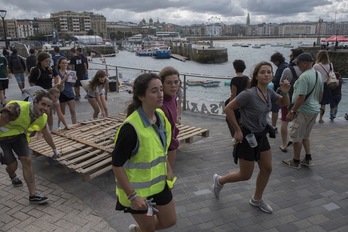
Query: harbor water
pixel 210 100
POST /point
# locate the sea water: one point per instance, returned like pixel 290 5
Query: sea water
pixel 211 99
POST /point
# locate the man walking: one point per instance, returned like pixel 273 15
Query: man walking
pixel 18 121
pixel 77 64
pixel 291 74
pixel 17 67
pixel 278 60
pixel 308 91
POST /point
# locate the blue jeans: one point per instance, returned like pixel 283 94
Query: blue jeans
pixel 19 77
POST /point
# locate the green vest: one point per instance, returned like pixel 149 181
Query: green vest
pixel 22 124
pixel 147 168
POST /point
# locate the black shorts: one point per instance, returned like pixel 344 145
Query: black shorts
pixel 63 98
pixel 78 82
pixel 3 84
pixel 245 152
pixel 162 198
pixel 17 144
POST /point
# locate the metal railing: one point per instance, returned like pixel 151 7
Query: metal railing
pixel 114 74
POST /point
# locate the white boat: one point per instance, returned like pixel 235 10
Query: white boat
pixel 211 83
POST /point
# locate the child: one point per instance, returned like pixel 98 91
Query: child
pixel 97 93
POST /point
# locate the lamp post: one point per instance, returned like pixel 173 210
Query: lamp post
pixel 2 15
pixel 336 43
pixel 319 30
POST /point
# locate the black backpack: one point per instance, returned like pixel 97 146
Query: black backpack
pixel 17 65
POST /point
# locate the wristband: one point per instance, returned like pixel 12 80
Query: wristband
pixel 283 94
pixel 133 197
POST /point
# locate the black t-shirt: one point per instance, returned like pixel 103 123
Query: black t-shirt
pixel 125 144
pixel 240 82
pixel 79 65
pixel 31 62
pixel 42 77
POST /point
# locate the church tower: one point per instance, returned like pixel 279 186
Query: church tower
pixel 248 20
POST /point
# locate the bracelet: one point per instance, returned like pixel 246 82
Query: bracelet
pixel 133 197
pixel 283 94
pixel 131 194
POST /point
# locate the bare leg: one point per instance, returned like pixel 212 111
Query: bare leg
pixel 2 97
pixel 284 133
pixel 28 174
pixel 164 219
pixel 171 158
pixel 72 110
pixel 265 166
pixel 297 150
pixel 245 172
pixel 306 146
pixel 274 119
pixel 95 107
pixel 11 169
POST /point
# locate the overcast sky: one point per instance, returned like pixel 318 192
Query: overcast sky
pixel 186 12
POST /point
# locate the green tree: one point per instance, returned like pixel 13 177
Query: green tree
pixel 113 35
pixel 90 32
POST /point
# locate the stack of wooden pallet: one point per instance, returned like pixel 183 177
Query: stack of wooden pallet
pixel 86 148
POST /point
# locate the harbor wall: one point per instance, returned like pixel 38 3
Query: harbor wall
pixel 201 54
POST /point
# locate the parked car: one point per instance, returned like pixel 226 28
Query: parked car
pixel 58 44
pixel 46 46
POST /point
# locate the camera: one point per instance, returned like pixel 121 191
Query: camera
pixel 271 131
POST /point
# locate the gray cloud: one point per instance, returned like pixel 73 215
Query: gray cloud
pixel 183 11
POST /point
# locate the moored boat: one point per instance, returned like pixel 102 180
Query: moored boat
pixel 162 54
pixel 211 83
pixel 194 82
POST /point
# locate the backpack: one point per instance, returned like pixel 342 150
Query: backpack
pixel 17 65
pixel 294 79
pixel 38 76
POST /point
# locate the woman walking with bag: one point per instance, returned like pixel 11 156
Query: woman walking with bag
pixel 323 65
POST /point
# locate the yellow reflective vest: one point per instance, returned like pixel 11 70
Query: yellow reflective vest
pixel 146 169
pixel 22 124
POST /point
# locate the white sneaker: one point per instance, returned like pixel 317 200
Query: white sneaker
pixel 132 228
pixel 261 204
pixel 217 186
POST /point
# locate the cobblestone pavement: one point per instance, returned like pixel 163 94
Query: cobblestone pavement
pixel 308 199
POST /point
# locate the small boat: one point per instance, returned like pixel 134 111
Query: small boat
pixel 194 83
pixel 244 45
pixel 211 83
pixel 163 54
pixel 148 52
pixel 256 46
pixel 288 46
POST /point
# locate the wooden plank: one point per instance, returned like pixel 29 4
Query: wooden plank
pixel 87 147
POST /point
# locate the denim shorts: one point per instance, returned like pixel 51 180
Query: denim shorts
pixel 19 77
pixel 17 144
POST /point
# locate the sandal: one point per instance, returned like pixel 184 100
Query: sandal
pixel 283 149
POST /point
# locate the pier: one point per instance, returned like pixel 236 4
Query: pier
pixel 179 57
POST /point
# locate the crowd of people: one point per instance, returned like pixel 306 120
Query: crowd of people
pixel 143 160
pixel 54 82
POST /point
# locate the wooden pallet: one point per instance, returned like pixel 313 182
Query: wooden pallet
pixel 87 147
